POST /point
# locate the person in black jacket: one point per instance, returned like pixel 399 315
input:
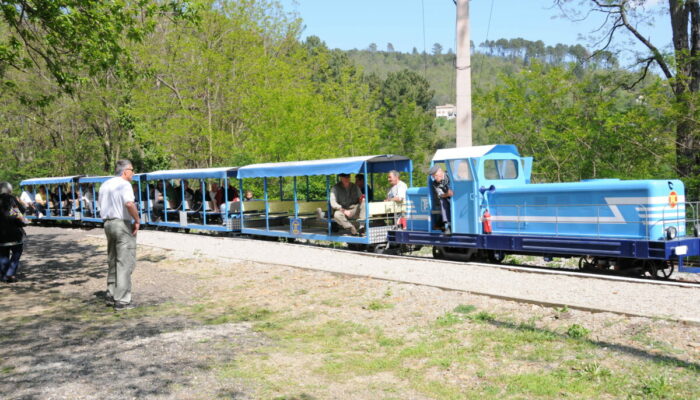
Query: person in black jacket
pixel 12 233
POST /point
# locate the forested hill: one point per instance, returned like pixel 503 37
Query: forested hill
pixel 489 59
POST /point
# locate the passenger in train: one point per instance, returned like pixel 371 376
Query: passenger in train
pixel 360 182
pixel 248 196
pixel 40 201
pixel 87 198
pixel 158 201
pixel 398 189
pixel 443 193
pixel 233 195
pixel 27 199
pixel 189 193
pixel 346 204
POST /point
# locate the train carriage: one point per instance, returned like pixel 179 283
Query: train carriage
pixel 293 214
pixel 184 210
pixel 61 195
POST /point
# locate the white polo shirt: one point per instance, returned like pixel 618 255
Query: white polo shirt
pixel 398 190
pixel 114 194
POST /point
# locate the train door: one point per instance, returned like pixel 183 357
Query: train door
pixel 464 201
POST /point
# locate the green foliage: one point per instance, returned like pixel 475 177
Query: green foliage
pixel 68 37
pixel 577 331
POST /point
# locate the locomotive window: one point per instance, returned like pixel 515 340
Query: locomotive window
pixel 461 170
pixel 500 169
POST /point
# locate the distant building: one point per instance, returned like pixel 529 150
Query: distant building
pixel 448 111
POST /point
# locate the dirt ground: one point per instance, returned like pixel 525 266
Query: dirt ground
pixel 209 328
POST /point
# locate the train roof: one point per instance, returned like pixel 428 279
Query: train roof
pixel 331 166
pixel 50 180
pixel 460 153
pixel 200 173
pixel 102 178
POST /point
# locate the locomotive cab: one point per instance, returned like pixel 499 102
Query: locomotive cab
pixel 475 173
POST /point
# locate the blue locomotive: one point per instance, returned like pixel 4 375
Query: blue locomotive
pixel 623 225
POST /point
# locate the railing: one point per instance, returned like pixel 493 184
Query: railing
pixel 594 220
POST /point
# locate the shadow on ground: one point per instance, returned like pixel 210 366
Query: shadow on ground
pixel 58 339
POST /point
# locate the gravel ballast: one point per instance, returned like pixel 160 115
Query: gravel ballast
pixel 588 293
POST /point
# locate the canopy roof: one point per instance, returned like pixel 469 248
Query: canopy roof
pixel 201 173
pixel 460 153
pixel 100 179
pixel 331 166
pixel 50 180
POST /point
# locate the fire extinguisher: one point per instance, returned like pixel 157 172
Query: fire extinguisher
pixel 487 222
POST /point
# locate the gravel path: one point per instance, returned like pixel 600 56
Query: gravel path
pixel 618 296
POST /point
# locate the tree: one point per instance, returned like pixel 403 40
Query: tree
pixel 372 47
pixel 437 49
pixel 65 38
pixel 681 69
pixel 390 48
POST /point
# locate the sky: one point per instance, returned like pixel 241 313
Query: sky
pixel 357 23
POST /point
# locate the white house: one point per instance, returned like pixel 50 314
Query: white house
pixel 448 111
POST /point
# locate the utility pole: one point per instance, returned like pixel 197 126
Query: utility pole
pixel 464 76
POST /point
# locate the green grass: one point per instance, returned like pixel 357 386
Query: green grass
pixel 376 305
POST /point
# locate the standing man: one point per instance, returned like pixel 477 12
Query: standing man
pixel 117 209
pixel 398 189
pixel 443 193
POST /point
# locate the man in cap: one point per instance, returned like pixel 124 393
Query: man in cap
pixel 443 193
pixel 347 204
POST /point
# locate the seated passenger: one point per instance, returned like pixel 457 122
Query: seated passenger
pixel 248 196
pixel 87 198
pixel 346 204
pixel 360 182
pixel 41 201
pixel 28 199
pixel 232 196
pixel 158 206
pixel 442 193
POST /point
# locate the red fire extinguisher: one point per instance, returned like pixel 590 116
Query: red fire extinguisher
pixel 487 222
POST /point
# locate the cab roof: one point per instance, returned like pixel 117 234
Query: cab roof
pixel 460 153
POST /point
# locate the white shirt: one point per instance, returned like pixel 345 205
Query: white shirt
pixel 398 190
pixel 114 194
pixel 27 197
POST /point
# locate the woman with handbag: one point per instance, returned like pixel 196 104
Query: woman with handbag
pixel 12 233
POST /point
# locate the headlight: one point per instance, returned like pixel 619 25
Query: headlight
pixel 671 232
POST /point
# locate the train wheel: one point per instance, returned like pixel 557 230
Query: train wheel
pixel 587 262
pixel 661 269
pixel 496 256
pixel 438 252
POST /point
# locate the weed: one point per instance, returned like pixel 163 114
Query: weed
pixel 577 331
pixel 387 292
pixel 464 308
pixel 656 387
pixel 593 371
pixel 301 292
pixel 448 319
pixel 483 316
pixel 562 310
pixel 376 305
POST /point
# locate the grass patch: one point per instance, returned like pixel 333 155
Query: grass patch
pixel 238 315
pixel 577 331
pixel 376 305
pixel 464 309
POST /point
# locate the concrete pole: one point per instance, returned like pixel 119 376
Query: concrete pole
pixel 464 76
